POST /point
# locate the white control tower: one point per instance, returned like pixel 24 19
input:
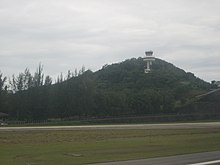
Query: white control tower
pixel 149 59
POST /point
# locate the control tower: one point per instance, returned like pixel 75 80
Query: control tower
pixel 149 59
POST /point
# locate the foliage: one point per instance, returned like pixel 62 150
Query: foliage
pixel 121 89
pixel 3 90
pixel 2 82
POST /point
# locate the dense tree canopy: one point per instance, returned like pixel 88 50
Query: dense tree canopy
pixel 3 92
pixel 121 89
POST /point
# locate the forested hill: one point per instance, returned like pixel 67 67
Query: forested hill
pixel 121 89
pixel 164 76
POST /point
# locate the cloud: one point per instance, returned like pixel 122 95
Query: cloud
pixel 67 34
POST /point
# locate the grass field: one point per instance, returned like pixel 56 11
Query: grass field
pixel 81 147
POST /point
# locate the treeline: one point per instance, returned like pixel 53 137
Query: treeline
pixel 25 80
pixel 115 90
pixel 3 92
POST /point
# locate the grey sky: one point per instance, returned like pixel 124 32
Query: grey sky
pixel 66 34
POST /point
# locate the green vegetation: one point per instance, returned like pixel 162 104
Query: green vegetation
pixel 116 90
pixel 204 105
pixel 81 147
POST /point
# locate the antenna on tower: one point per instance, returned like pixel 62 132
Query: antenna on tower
pixel 149 59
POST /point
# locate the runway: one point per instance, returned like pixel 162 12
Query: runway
pixel 189 159
pixel 122 126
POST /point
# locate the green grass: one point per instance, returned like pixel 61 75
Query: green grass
pixel 81 147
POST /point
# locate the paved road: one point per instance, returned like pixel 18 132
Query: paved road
pixel 125 126
pixel 189 159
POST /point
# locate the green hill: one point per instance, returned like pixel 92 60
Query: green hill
pixel 204 105
pixel 121 89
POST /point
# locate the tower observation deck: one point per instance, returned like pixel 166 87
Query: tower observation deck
pixel 149 59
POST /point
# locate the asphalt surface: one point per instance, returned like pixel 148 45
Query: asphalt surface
pixel 122 126
pixel 189 159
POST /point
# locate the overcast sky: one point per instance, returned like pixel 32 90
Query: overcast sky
pixel 66 34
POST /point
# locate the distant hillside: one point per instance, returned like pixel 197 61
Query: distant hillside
pixel 207 104
pixel 164 76
pixel 121 89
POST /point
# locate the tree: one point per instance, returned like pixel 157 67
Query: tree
pixel 48 80
pixel 20 82
pixel 38 76
pixel 2 81
pixel 17 83
pixel 28 79
pixel 2 91
pixel 13 83
pixel 60 78
pixel 82 70
pixel 75 73
pixel 69 75
pixel 117 90
pixel 23 81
